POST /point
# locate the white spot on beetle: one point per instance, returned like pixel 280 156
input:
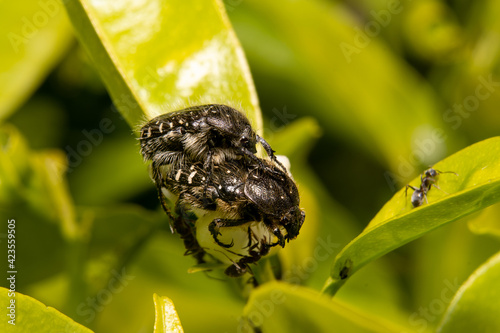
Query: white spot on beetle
pixel 161 128
pixel 178 175
pixel 190 178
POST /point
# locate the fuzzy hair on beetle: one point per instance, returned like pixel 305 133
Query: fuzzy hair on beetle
pixel 203 160
pixel 211 134
pixel 240 193
pixel 263 200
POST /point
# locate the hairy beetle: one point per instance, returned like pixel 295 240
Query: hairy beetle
pixel 258 198
pixel 209 134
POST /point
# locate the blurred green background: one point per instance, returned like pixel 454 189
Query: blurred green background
pixel 362 96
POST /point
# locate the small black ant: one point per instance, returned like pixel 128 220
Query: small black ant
pixel 428 179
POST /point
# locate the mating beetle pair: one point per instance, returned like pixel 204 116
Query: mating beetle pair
pixel 203 158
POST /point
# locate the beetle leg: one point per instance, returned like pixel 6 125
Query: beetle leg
pixel 216 224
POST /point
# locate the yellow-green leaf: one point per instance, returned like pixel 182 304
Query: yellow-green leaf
pixel 36 178
pixel 35 34
pixel 280 307
pixel 158 56
pixel 30 315
pixel 167 320
pixel 477 186
pixel 475 306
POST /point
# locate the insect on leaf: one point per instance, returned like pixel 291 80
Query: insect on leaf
pixel 477 186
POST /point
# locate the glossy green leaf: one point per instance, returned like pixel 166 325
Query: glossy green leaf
pixel 33 316
pixel 35 35
pixel 166 318
pixel 159 56
pixel 477 186
pixel 280 307
pixel 474 307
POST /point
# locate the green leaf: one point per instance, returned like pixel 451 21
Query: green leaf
pixel 161 268
pixel 35 178
pixel 477 186
pixel 280 307
pixel 432 31
pixel 35 36
pixel 117 235
pixel 474 307
pixel 33 316
pixel 159 56
pixel 166 318
pixel 14 165
pixel 487 222
pixel 103 179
